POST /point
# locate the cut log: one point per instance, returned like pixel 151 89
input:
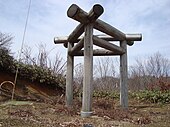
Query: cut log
pixel 133 37
pixel 98 52
pixel 129 37
pixel 74 11
pixel 123 77
pixel 88 72
pixel 77 32
pixel 77 47
pixel 105 44
pixel 78 14
pixel 69 76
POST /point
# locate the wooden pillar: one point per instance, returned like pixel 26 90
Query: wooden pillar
pixel 88 72
pixel 69 76
pixel 123 76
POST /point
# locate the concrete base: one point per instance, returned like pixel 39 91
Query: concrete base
pixel 86 114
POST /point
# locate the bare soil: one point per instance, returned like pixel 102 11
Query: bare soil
pixel 106 113
pixel 38 106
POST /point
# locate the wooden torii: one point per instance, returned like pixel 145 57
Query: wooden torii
pixel 75 43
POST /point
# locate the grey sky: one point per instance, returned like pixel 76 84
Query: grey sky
pixel 48 19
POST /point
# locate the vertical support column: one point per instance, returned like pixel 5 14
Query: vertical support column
pixel 88 72
pixel 69 76
pixel 123 77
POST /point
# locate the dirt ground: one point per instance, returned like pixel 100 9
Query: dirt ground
pixel 106 113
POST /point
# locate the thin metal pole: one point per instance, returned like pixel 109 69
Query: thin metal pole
pixel 19 57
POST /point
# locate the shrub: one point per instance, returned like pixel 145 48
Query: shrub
pixel 32 73
pixel 106 94
pixel 153 96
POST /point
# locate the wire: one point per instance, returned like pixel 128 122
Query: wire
pixel 20 52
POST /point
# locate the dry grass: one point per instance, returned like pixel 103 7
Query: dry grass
pixel 107 113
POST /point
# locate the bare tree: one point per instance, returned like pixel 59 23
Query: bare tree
pixel 78 69
pixel 6 60
pixel 105 74
pixel 158 66
pixel 5 40
pixel 27 57
pixel 105 67
pixel 137 75
pixel 43 59
pixel 146 73
pixel 57 65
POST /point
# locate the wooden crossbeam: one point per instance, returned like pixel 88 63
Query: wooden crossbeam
pixel 78 14
pixel 109 46
pixel 110 30
pixel 77 32
pixel 77 47
pixel 99 42
pixel 98 52
pixel 130 37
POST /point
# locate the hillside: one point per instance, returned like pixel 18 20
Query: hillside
pixel 31 78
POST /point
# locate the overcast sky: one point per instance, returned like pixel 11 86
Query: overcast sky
pixel 48 19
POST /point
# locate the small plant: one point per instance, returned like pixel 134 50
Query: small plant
pixel 153 96
pixel 106 94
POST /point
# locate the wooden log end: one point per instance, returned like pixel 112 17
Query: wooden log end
pixel 73 9
pixel 60 40
pixel 133 37
pixel 55 41
pixel 130 43
pixel 98 9
pixel 66 44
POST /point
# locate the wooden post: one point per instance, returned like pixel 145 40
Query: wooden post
pixel 88 72
pixel 123 76
pixel 69 76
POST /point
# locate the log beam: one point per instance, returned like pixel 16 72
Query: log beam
pixel 60 40
pixel 108 29
pixel 75 12
pixel 77 32
pixel 98 52
pixel 81 16
pixel 105 44
pixel 78 14
pixel 133 37
pixel 129 37
pixel 77 47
